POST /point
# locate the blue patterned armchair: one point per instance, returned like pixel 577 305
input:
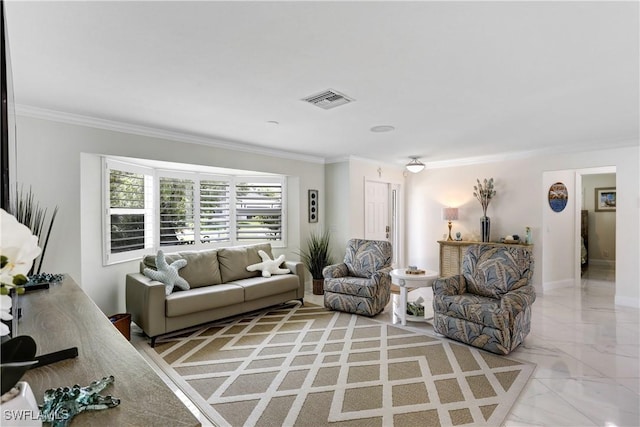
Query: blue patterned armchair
pixel 361 284
pixel 489 304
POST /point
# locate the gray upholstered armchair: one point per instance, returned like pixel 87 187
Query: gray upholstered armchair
pixel 489 304
pixel 361 284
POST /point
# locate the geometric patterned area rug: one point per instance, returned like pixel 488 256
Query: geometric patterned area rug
pixel 307 366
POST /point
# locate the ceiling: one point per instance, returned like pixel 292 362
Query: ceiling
pixel 457 80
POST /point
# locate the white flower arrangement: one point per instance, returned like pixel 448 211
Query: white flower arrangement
pixel 18 249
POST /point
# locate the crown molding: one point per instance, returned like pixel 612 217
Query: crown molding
pixel 364 160
pixel 112 125
pixel 518 155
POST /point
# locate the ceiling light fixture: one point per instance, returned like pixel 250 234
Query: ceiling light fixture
pixel 415 165
pixel 382 128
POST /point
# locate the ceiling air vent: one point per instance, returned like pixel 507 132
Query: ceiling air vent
pixel 328 99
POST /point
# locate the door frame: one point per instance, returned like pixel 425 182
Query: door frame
pixel 398 228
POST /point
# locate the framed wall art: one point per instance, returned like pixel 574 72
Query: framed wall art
pixel 313 205
pixel 605 199
pixel 558 196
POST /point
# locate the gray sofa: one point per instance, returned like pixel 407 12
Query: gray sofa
pixel 220 285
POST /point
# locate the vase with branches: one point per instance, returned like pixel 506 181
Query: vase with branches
pixel 484 191
pixel 316 257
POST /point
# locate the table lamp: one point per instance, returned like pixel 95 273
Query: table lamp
pixel 450 214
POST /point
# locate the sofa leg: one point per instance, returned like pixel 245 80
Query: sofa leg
pixel 301 301
pixel 153 341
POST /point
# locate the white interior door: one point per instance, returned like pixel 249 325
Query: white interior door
pixel 376 212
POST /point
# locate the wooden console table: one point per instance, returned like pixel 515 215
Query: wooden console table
pixel 63 317
pixel 452 254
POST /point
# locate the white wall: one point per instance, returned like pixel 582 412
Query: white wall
pixel 61 162
pixel 345 187
pixel 512 209
pixel 558 232
pixel 520 202
pixel 337 199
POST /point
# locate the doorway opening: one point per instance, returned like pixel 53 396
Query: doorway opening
pixel 596 223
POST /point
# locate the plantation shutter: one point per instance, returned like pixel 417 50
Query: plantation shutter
pixel 146 208
pixel 176 211
pixel 126 206
pixel 258 210
pixel 215 221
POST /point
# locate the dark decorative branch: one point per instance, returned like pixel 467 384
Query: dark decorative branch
pixel 29 212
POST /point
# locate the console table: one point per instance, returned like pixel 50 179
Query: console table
pixel 64 316
pixel 452 254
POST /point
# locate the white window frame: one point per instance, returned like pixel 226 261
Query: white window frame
pixel 152 211
pixel 111 164
pixel 263 179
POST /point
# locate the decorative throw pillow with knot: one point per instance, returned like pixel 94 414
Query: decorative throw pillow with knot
pixel 168 273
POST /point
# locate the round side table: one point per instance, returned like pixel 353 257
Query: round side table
pixel 400 278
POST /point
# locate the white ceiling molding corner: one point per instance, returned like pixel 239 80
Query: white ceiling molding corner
pixel 81 120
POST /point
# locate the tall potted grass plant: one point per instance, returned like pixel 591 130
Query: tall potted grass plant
pixel 317 256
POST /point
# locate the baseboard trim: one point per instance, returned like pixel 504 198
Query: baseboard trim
pixel 558 284
pixel 627 301
pixel 603 262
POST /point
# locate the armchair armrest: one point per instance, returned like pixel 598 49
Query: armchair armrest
pixel 452 285
pixel 519 299
pixel 382 275
pixel 335 271
pixel 145 300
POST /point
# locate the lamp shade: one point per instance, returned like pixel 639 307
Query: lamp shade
pixel 415 165
pixel 450 214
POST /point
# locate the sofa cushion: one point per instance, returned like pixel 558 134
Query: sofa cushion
pixel 260 287
pixel 473 308
pixel 357 286
pixel 492 271
pixel 235 260
pixel 202 267
pixel 203 298
pixel 149 261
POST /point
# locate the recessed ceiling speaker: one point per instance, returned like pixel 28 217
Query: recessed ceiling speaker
pixel 313 205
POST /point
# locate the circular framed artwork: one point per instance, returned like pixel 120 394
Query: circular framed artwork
pixel 558 197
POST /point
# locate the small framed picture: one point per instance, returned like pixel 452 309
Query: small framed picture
pixel 606 199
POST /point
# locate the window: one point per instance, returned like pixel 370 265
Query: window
pixel 176 212
pixel 215 223
pixel 258 210
pixel 129 213
pixel 151 208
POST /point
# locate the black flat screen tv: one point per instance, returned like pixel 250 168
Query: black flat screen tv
pixel 8 127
